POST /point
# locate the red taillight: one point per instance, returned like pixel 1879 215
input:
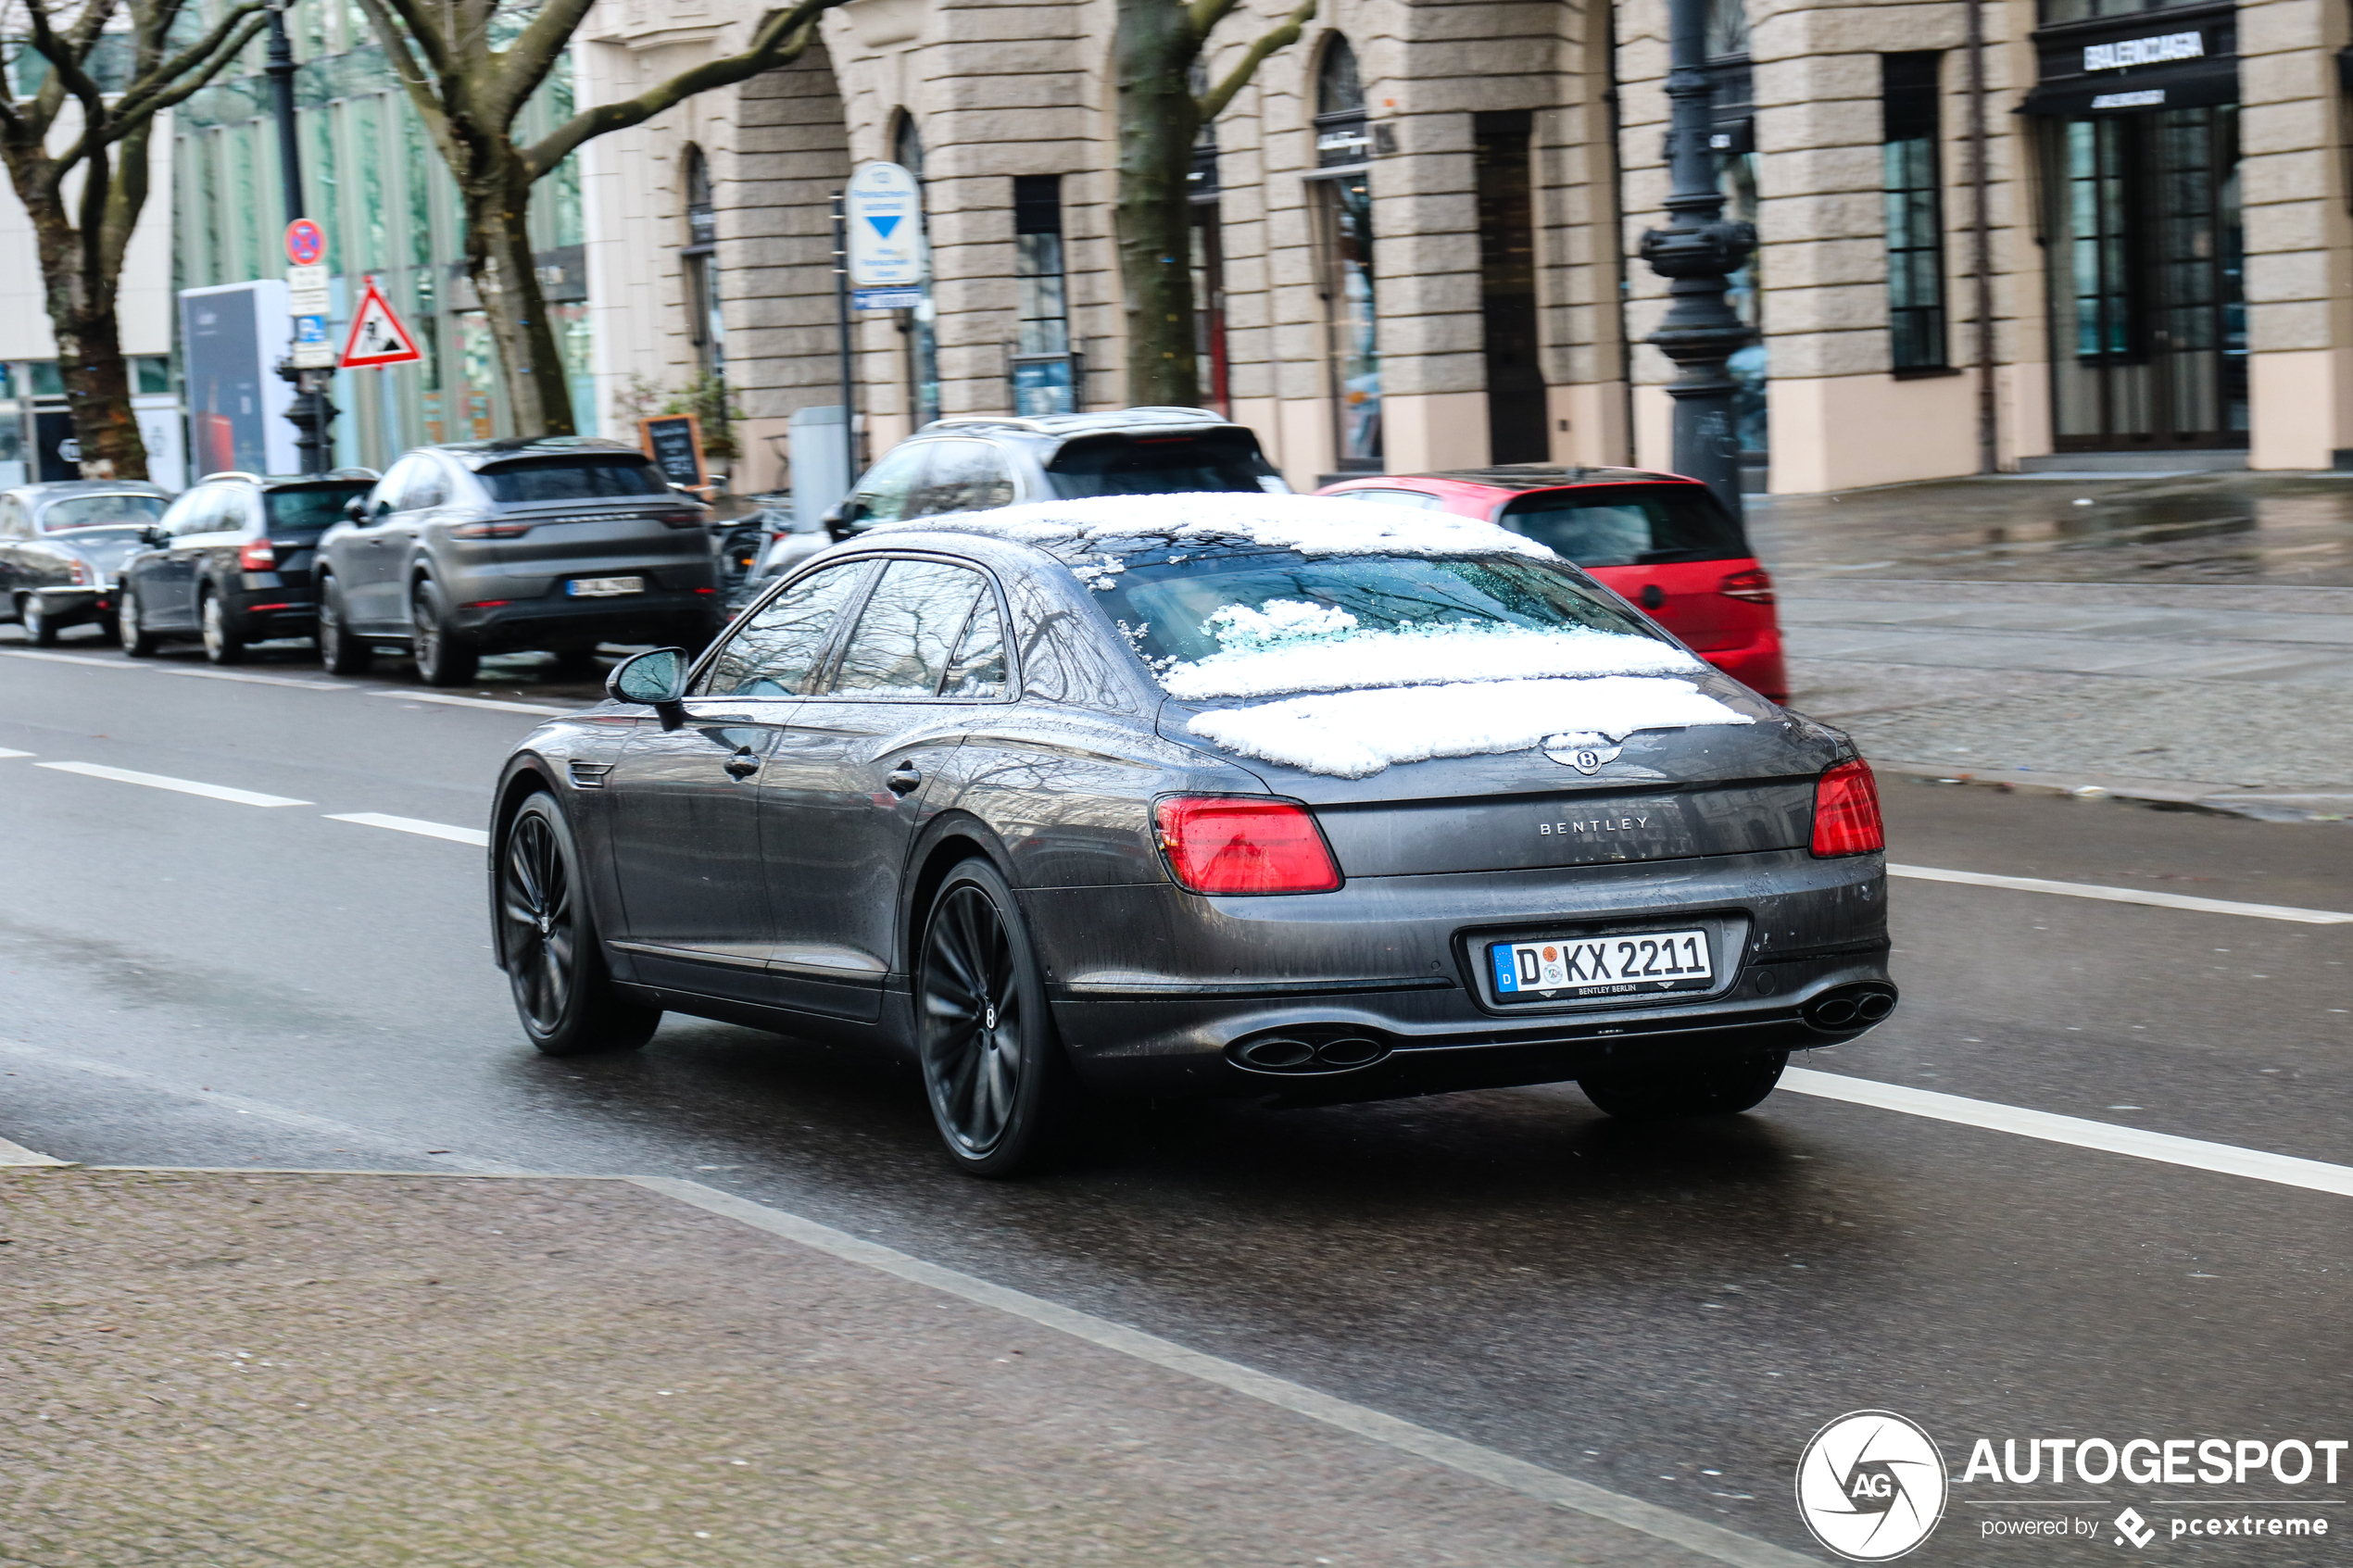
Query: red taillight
pixel 1846 819
pixel 259 556
pixel 682 519
pixel 486 604
pixel 1752 588
pixel 1244 844
pixel 81 574
pixel 490 531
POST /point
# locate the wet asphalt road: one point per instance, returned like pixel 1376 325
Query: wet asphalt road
pixel 1668 1312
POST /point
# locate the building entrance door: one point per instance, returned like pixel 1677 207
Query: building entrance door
pixel 2149 320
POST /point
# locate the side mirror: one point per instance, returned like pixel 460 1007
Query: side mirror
pixel 355 509
pixel 655 680
pixel 836 519
pixel 383 508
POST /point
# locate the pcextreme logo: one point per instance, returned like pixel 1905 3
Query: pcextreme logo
pixel 1871 1486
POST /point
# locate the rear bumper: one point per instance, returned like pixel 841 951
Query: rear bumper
pixel 72 606
pixel 1154 989
pixel 672 616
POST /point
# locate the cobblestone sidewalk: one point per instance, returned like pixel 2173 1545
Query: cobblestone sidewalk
pixel 345 1371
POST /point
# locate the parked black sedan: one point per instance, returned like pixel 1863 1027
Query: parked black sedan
pixel 62 546
pixel 229 563
pixel 1200 794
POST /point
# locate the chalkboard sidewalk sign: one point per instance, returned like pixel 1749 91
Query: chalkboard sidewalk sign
pixel 674 443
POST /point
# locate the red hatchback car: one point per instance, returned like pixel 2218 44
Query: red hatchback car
pixel 1658 540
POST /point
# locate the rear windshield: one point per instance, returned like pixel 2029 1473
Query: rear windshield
pixel 312 507
pixel 573 479
pixel 1242 624
pixel 90 511
pixel 1628 526
pixel 1119 465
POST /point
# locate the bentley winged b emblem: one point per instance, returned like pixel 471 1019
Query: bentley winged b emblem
pixel 1582 749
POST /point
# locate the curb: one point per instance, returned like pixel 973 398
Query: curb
pixel 2164 795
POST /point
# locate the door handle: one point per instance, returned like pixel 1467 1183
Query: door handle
pixel 905 779
pixel 742 765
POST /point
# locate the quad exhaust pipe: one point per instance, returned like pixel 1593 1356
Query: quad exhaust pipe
pixel 1850 1008
pixel 1290 1053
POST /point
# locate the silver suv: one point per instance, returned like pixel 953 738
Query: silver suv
pixel 555 543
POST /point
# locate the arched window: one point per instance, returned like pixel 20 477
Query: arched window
pixel 698 259
pixel 922 342
pixel 1343 210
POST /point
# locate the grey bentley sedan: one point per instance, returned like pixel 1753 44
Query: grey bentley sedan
pixel 1202 795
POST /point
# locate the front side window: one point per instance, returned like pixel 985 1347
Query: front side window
pixel 909 631
pixel 883 495
pixel 774 651
pixel 570 478
pixel 204 512
pixel 93 512
pixel 965 476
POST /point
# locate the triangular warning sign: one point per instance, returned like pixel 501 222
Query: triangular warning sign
pixel 377 336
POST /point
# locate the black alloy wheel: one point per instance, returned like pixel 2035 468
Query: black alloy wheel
pixel 221 645
pixel 39 629
pixel 563 993
pixel 1000 1090
pixel 1725 1086
pixel 342 653
pixel 442 660
pixel 136 640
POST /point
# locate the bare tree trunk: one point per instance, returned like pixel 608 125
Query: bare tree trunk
pixel 79 292
pixel 498 259
pixel 1158 123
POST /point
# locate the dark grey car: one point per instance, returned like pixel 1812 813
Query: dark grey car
pixel 229 563
pixel 555 543
pixel 1280 797
pixel 62 546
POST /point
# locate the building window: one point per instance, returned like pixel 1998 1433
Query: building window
pixel 1915 212
pixel 1212 368
pixel 1516 420
pixel 1045 373
pixel 1344 220
pixel 700 258
pixel 921 336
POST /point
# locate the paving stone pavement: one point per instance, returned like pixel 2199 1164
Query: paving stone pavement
pixel 335 1371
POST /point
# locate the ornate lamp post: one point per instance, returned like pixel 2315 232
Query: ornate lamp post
pixel 311 413
pixel 1695 252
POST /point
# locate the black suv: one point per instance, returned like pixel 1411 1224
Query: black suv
pixel 230 562
pixel 975 462
pixel 553 543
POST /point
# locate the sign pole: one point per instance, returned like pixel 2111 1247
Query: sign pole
pixel 311 413
pixel 841 325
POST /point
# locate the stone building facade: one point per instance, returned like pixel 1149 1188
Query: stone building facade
pixel 1417 225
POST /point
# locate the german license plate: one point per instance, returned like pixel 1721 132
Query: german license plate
pixel 604 587
pixel 1572 967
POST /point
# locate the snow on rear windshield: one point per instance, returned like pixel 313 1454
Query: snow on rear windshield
pixel 1311 525
pixel 1262 623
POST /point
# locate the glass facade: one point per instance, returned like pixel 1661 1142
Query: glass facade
pixel 372 180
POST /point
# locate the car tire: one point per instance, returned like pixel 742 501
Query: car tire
pixel 137 641
pixel 342 653
pixel 442 660
pixel 1723 1086
pixel 1002 1092
pixel 547 939
pixel 221 645
pixel 39 629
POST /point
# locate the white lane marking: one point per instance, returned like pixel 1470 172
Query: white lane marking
pixel 2125 895
pixel 1472 1458
pixel 342 1132
pixel 261 680
pixel 185 786
pixel 497 703
pixel 75 658
pixel 2229 1160
pixel 475 837
pixel 5 752
pixel 16 1154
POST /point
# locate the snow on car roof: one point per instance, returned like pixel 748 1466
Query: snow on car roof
pixel 1311 525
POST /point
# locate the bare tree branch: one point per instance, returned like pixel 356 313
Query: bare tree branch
pixel 413 79
pixel 1213 103
pixel 1202 17
pixel 525 63
pixel 140 98
pixel 779 41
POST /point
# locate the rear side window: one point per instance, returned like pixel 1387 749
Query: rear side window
pixel 909 631
pixel 773 653
pixel 1157 465
pixel 1628 524
pixel 310 509
pixel 581 478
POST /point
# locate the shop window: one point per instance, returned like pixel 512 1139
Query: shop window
pixel 150 373
pixel 1344 206
pixel 1045 373
pixel 1909 152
